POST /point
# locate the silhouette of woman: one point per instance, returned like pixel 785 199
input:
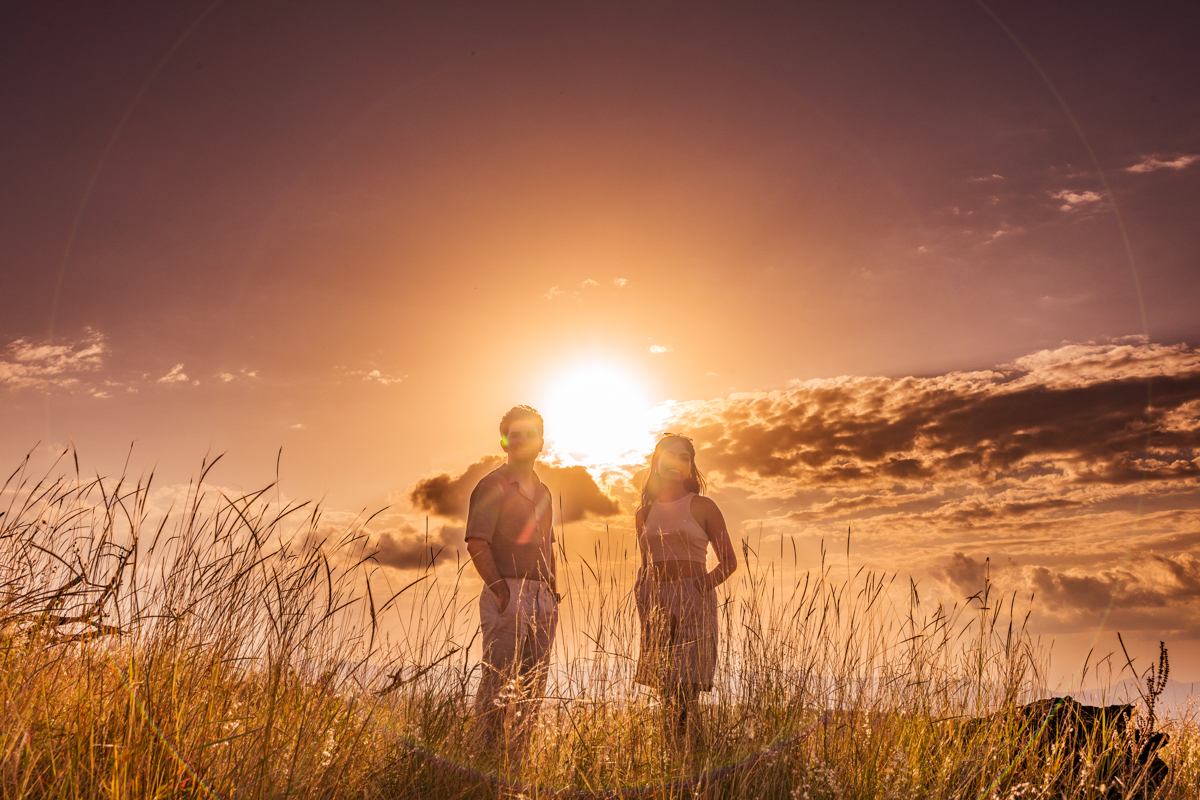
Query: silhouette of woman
pixel 676 603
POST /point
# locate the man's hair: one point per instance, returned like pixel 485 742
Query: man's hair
pixel 520 412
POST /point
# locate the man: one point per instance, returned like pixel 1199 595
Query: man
pixel 510 536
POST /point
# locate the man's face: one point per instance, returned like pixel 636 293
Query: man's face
pixel 524 441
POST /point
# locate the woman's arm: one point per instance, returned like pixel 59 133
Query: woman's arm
pixel 705 511
pixel 639 525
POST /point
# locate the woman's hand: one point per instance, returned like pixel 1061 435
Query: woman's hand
pixel 709 516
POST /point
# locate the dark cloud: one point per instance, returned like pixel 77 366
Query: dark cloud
pixel 1152 581
pixel 979 510
pixel 1111 414
pixel 844 505
pixel 964 573
pixel 448 495
pixel 407 547
pixel 1129 595
pixel 580 494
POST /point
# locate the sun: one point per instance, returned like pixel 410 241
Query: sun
pixel 598 416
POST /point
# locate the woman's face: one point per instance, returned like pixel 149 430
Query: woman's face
pixel 674 461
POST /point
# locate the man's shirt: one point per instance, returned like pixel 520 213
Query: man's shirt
pixel 519 530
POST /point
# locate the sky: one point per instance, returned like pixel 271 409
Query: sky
pixel 927 273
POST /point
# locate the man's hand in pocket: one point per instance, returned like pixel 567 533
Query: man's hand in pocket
pixel 503 594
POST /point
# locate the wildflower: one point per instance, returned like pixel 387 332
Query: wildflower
pixel 327 752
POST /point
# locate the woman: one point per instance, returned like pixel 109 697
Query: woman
pixel 675 598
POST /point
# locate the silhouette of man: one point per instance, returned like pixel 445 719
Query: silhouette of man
pixel 510 536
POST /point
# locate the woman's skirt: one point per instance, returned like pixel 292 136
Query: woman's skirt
pixel 679 634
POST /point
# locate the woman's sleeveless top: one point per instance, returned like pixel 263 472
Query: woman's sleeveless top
pixel 672 534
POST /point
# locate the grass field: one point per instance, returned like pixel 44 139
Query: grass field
pixel 235 647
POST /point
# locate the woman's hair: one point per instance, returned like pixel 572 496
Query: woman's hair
pixel 694 483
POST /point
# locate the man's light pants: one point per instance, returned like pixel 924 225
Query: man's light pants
pixel 516 659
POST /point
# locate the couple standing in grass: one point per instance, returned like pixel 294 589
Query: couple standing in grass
pixel 510 536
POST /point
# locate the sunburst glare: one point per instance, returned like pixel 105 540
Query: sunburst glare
pixel 599 416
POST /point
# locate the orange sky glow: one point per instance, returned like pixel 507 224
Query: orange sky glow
pixel 929 274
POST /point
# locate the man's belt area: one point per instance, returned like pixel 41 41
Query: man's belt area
pixel 535 578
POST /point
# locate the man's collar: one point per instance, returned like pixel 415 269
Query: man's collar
pixel 507 471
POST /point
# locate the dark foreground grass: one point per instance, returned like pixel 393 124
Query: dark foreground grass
pixel 236 647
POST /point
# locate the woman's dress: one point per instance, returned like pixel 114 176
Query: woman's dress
pixel 678 618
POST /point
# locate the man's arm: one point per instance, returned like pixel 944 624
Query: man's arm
pixel 485 565
pixel 482 515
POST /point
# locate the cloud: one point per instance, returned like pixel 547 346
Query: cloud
pixel 579 493
pixel 1149 581
pixel 845 505
pixel 660 348
pixel 176 375
pixel 370 376
pixel 555 292
pixel 406 547
pixel 1152 163
pixel 1151 591
pixel 29 364
pixel 1126 594
pixel 1071 474
pixel 1073 199
pixel 447 495
pixel 1048 425
pixel 964 573
pixel 378 377
pixel 992 177
pixel 226 377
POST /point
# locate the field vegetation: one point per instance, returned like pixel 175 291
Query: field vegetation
pixel 235 647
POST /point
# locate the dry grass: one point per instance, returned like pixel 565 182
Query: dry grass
pixel 233 647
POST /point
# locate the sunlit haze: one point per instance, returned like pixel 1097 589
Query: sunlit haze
pixel 924 273
pixel 599 416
